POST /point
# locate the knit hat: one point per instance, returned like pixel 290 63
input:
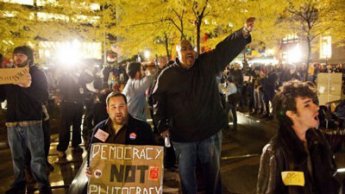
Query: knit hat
pixel 26 50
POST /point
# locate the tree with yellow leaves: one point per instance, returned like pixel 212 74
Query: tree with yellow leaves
pixel 311 19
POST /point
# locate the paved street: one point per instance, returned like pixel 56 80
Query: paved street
pixel 240 160
pixel 241 153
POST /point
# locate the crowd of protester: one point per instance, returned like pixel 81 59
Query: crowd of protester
pixel 256 85
pixel 172 93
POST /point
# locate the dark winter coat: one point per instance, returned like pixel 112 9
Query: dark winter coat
pixel 188 100
pixel 286 152
pixel 25 104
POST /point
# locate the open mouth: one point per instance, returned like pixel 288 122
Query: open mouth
pixel 317 118
pixel 190 56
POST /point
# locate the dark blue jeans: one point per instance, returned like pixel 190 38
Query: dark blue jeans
pixel 22 138
pixel 207 152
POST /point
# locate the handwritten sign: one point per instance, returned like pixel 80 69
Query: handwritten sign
pixel 126 169
pixel 329 87
pixel 293 178
pixel 13 75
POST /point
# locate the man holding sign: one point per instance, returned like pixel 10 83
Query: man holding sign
pixel 298 159
pixel 108 148
pixel 120 127
pixel 24 120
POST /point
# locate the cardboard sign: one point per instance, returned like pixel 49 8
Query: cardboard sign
pixel 126 169
pixel 293 178
pixel 329 87
pixel 13 75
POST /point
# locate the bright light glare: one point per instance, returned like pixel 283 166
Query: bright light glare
pixel 147 54
pixel 341 170
pixel 95 6
pixel 270 52
pixel 265 61
pixel 23 2
pixel 68 53
pixel 46 2
pixel 326 47
pixel 47 53
pixel 294 55
pixel 9 14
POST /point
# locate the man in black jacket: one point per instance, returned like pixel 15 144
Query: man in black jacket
pixel 120 127
pixel 24 121
pixel 72 95
pixel 298 159
pixel 188 107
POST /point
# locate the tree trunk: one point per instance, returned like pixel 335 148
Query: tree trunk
pixel 308 57
pixel 198 26
pixel 166 42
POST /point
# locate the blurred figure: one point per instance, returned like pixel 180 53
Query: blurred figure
pixel 24 122
pixel 91 84
pixel 114 74
pixel 229 97
pixel 316 72
pixel 169 156
pixel 96 114
pixel 236 75
pixel 1 61
pixel 268 89
pixel 258 92
pixel 135 90
pixel 71 94
pixel 290 73
pixel 232 100
pixel 298 159
pixel 46 133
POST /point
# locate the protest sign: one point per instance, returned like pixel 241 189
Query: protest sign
pixel 13 75
pixel 126 169
pixel 329 87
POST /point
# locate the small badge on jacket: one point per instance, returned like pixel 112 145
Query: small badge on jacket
pixel 101 135
pixel 293 178
pixel 132 136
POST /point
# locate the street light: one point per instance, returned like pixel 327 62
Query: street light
pixel 68 53
pixel 294 55
pixel 147 54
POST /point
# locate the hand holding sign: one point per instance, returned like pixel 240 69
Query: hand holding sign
pixel 88 172
pixel 26 81
pixel 18 76
pixel 125 169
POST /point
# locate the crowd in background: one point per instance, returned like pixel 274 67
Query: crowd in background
pixel 257 85
pixel 80 90
pixel 80 93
